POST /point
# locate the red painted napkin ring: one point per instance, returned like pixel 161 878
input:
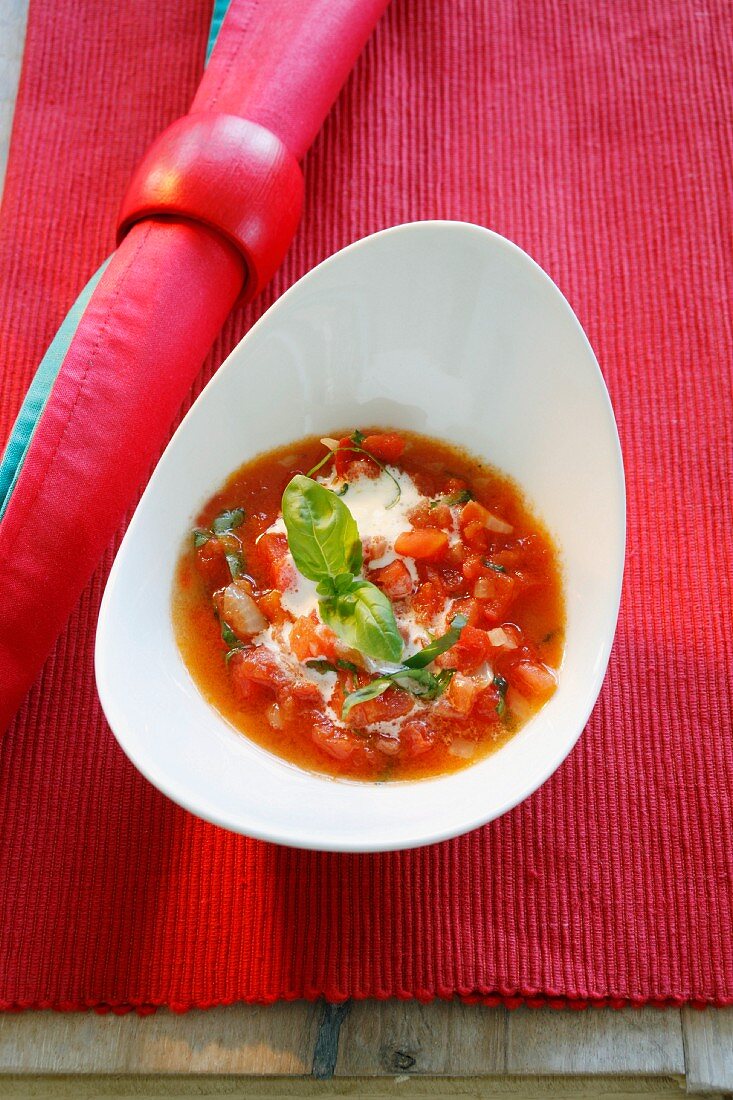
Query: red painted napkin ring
pixel 229 174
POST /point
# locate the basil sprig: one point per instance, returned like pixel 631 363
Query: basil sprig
pixel 326 548
pixel 225 523
pixel 413 675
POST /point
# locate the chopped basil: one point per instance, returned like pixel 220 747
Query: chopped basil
pixel 228 521
pixel 364 694
pixel 343 490
pixel 501 686
pixel 231 641
pixel 424 656
pixel 357 437
pixel 235 561
pixel 348 666
pixel 200 537
pixel 321 665
pixel 228 635
pixel 495 566
pixel 461 496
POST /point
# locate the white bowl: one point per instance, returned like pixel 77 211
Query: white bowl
pixel 440 327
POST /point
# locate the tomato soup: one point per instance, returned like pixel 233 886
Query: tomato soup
pixel 373 605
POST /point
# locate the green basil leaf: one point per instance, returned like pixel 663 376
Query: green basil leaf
pixel 322 533
pixel 364 694
pixel 229 637
pixel 424 656
pixel 424 684
pixel 348 666
pixel 320 664
pixel 235 562
pixel 200 537
pixel 363 618
pixel 501 686
pixel 461 496
pixel 495 566
pixel 357 437
pixel 228 521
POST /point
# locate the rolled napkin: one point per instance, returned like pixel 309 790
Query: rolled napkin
pixel 208 216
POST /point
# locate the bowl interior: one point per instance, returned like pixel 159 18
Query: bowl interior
pixel 440 327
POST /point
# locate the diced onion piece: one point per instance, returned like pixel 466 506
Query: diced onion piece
pixel 332 444
pixel 500 639
pixel 493 523
pixel 240 612
pixel 274 716
pixel 462 748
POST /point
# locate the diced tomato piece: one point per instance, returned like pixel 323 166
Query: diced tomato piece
pixel 350 462
pixel 469 607
pixel 273 552
pixel 212 564
pixel 417 737
pixel 305 692
pixel 309 639
pixel 425 515
pixel 462 693
pixel 473 567
pixel 471 650
pixel 496 607
pixel 373 547
pixel 394 580
pixel 255 672
pixel 387 447
pixel 476 536
pixel 429 600
pixel 427 545
pixel 270 604
pixel 473 512
pixel 337 742
pixel 385 708
pixel 533 680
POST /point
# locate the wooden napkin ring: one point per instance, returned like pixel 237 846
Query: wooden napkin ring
pixel 230 174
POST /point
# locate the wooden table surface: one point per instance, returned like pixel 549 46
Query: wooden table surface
pixel 360 1048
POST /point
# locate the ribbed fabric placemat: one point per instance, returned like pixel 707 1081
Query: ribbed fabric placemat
pixel 598 137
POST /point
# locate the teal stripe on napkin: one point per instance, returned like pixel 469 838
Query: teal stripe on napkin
pixel 44 378
pixel 38 393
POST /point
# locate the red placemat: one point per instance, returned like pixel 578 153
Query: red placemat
pixel 597 136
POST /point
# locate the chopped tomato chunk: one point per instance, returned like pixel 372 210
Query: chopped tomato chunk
pixel 256 666
pixel 273 553
pixel 469 607
pixel 471 650
pixel 428 545
pixel 309 639
pixel 431 515
pixel 532 679
pixel 394 580
pixel 270 604
pixel 373 547
pixel 392 704
pixel 212 564
pixel 387 447
pixel 338 743
pixel 462 693
pixel 417 737
pixel 429 600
